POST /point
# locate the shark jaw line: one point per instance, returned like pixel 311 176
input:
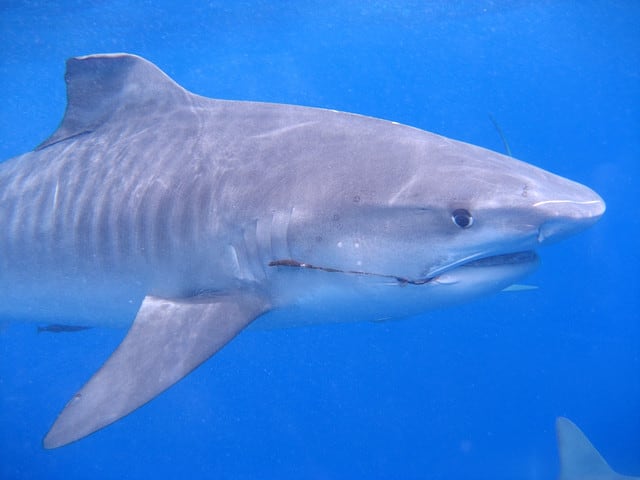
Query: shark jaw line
pixel 400 280
pixel 483 262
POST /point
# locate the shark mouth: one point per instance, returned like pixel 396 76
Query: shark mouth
pixel 503 259
pixel 400 280
pixel 484 262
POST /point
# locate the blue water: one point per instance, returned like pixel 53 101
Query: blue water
pixel 470 392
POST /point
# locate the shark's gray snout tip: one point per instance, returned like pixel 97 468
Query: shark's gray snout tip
pixel 569 215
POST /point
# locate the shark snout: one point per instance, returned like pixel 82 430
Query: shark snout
pixel 569 214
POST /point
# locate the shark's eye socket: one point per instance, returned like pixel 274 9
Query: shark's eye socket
pixel 462 218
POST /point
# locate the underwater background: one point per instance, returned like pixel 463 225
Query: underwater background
pixel 469 392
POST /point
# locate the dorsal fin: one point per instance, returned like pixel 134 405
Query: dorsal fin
pixel 100 85
pixel 579 459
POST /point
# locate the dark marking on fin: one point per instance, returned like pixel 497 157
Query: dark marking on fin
pixel 44 145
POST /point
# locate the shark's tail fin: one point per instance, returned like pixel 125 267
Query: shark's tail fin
pixel 579 459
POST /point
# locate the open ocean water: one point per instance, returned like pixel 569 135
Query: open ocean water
pixel 469 392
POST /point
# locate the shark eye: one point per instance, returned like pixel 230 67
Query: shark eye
pixel 462 218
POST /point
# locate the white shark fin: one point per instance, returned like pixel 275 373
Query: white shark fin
pixel 168 339
pixel 579 459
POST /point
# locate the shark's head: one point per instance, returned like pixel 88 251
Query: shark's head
pixel 444 220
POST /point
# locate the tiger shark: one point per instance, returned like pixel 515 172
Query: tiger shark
pixel 188 218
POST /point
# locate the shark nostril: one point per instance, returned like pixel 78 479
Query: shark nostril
pixel 543 234
pixel 557 229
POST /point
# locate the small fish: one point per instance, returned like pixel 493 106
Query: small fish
pixel 57 328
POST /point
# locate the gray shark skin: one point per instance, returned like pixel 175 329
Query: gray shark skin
pixel 193 217
pixel 579 460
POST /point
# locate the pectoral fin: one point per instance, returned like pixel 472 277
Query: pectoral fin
pixel 168 339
